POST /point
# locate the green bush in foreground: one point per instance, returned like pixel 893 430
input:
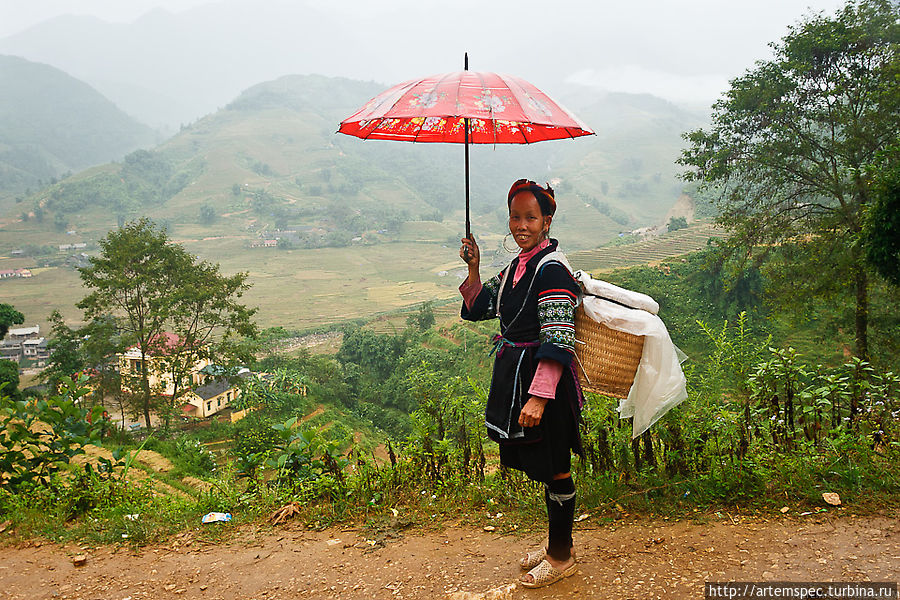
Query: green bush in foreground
pixel 39 437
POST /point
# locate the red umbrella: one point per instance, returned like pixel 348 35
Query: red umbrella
pixel 464 107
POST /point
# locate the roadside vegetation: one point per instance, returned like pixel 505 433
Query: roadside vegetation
pixel 393 422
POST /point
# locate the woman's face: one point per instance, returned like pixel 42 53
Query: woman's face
pixel 526 223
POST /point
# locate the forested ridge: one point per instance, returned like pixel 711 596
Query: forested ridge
pixel 52 124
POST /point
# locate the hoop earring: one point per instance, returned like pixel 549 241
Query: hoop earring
pixel 504 244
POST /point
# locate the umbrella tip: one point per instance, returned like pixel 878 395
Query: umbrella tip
pixel 466 65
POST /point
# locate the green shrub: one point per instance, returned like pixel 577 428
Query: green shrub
pixel 39 437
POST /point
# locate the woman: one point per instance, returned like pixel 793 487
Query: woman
pixel 534 402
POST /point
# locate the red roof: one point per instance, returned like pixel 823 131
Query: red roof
pixel 188 408
pixel 164 341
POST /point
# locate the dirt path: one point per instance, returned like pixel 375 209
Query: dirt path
pixel 628 561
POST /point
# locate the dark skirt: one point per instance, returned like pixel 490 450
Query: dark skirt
pixel 544 450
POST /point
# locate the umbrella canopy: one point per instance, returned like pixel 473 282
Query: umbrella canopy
pixel 500 109
pixel 465 107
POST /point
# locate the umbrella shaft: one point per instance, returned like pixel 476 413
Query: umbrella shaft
pixel 468 224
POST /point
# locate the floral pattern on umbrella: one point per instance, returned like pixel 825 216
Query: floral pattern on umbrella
pixel 501 109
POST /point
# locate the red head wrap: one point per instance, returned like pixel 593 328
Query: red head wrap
pixel 544 196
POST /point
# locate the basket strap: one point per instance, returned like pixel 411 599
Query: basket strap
pixel 558 257
pixel 581 366
pixel 555 256
pixel 500 291
pixel 622 304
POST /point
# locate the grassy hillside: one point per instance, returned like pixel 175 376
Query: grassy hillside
pixel 647 251
pixel 630 165
pixel 361 227
pixel 51 123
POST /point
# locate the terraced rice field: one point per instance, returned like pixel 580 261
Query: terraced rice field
pixel 646 251
pixel 394 323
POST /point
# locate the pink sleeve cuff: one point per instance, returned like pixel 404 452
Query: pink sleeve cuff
pixel 546 378
pixel 470 291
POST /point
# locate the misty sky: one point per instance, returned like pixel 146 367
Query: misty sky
pixel 685 51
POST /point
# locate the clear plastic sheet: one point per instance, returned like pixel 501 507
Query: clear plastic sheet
pixel 659 383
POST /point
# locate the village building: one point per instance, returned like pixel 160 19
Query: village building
pixel 209 398
pixel 132 362
pixel 24 343
pixel 11 350
pixel 21 334
pixel 36 349
pixel 67 247
pixel 13 273
pixel 210 391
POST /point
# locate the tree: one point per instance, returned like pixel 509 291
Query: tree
pixel 376 353
pixel 9 371
pixel 881 233
pixel 9 316
pixel 9 378
pixel 787 148
pixel 423 319
pixel 207 214
pixel 205 316
pixel 676 223
pixel 92 351
pixel 154 287
pixel 65 355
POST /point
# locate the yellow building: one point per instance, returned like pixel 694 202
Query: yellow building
pixel 133 361
pixel 211 397
pixel 209 391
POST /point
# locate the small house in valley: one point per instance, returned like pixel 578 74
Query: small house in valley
pixel 211 397
pixel 23 343
pixel 207 389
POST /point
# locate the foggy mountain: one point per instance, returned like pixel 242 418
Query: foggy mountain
pixel 51 123
pixel 169 69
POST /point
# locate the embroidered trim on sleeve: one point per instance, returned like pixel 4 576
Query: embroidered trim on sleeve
pixel 556 313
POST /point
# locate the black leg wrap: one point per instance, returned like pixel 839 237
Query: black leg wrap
pixel 560 497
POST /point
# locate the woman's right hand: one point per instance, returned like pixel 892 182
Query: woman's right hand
pixel 469 252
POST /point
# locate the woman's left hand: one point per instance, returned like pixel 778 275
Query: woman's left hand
pixel 532 412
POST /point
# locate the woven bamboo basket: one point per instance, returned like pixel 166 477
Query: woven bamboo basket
pixel 608 358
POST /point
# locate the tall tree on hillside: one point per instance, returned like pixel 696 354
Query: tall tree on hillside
pixel 788 147
pixel 9 316
pixel 154 288
pixel 882 230
pixel 9 378
pixel 91 349
pixel 9 371
pixel 204 305
pixel 65 352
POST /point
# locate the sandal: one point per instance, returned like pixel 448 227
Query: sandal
pixel 533 558
pixel 544 574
